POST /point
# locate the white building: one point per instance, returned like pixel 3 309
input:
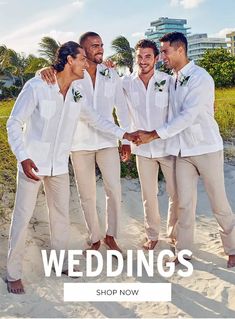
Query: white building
pixel 199 43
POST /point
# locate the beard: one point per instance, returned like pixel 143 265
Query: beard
pixel 97 59
pixel 146 70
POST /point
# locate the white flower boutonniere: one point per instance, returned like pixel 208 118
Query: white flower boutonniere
pixel 76 95
pixel 159 86
pixel 105 73
pixel 184 80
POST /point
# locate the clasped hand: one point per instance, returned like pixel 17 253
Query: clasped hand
pixel 141 137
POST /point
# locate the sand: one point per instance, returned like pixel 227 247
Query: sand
pixel 208 293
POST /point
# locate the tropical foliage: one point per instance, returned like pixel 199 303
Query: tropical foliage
pixel 221 66
pixel 18 68
pixel 48 47
pixel 124 54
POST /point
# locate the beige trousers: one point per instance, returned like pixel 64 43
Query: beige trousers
pixel 57 196
pixel 211 169
pixel 84 168
pixel 148 169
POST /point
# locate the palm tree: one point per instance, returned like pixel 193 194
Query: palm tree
pixel 3 56
pixel 16 64
pixel 124 53
pixel 48 48
pixel 34 64
pixel 19 67
pixel 9 62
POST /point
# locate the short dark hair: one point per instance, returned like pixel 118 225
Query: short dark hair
pixel 85 35
pixel 145 43
pixel 68 48
pixel 177 39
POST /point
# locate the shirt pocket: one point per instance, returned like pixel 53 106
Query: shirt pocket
pixel 193 135
pixel 182 92
pixel 161 99
pixel 108 89
pixel 47 109
pixel 75 109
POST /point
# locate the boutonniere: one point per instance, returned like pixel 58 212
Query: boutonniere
pixel 76 95
pixel 184 80
pixel 105 73
pixel 158 86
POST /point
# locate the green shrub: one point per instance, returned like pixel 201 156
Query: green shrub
pixel 9 92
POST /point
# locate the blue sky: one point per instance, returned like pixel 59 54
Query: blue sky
pixel 24 22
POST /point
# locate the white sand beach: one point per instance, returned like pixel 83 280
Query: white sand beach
pixel 208 293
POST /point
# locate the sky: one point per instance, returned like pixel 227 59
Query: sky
pixel 24 22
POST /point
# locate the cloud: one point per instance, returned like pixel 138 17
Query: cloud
pixel 61 36
pixel 2 3
pixel 137 34
pixel 222 33
pixel 45 20
pixel 78 3
pixel 187 4
pixel 26 38
pixel 29 43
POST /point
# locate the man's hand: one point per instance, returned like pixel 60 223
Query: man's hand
pixel 132 137
pixel 48 75
pixel 145 137
pixel 125 153
pixel 28 166
pixel 109 63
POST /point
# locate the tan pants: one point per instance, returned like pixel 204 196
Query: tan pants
pixel 84 167
pixel 57 195
pixel 148 169
pixel 211 169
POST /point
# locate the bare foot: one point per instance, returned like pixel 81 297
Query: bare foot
pixel 94 246
pixel 231 261
pixel 150 244
pixel 15 287
pixel 111 243
pixel 66 273
pixel 172 241
pixel 175 260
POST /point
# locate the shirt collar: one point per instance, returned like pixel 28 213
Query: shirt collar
pixel 135 75
pixel 101 67
pixel 186 69
pixel 55 86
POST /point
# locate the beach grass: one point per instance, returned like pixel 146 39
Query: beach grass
pixel 7 161
pixel 225 112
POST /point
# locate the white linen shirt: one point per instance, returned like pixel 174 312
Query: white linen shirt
pixel 148 108
pixel 42 124
pixel 106 95
pixel 191 122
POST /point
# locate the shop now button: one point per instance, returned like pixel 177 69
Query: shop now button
pixel 117 292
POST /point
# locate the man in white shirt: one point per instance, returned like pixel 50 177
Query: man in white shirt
pixel 104 91
pixel 147 92
pixel 196 140
pixel 40 132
